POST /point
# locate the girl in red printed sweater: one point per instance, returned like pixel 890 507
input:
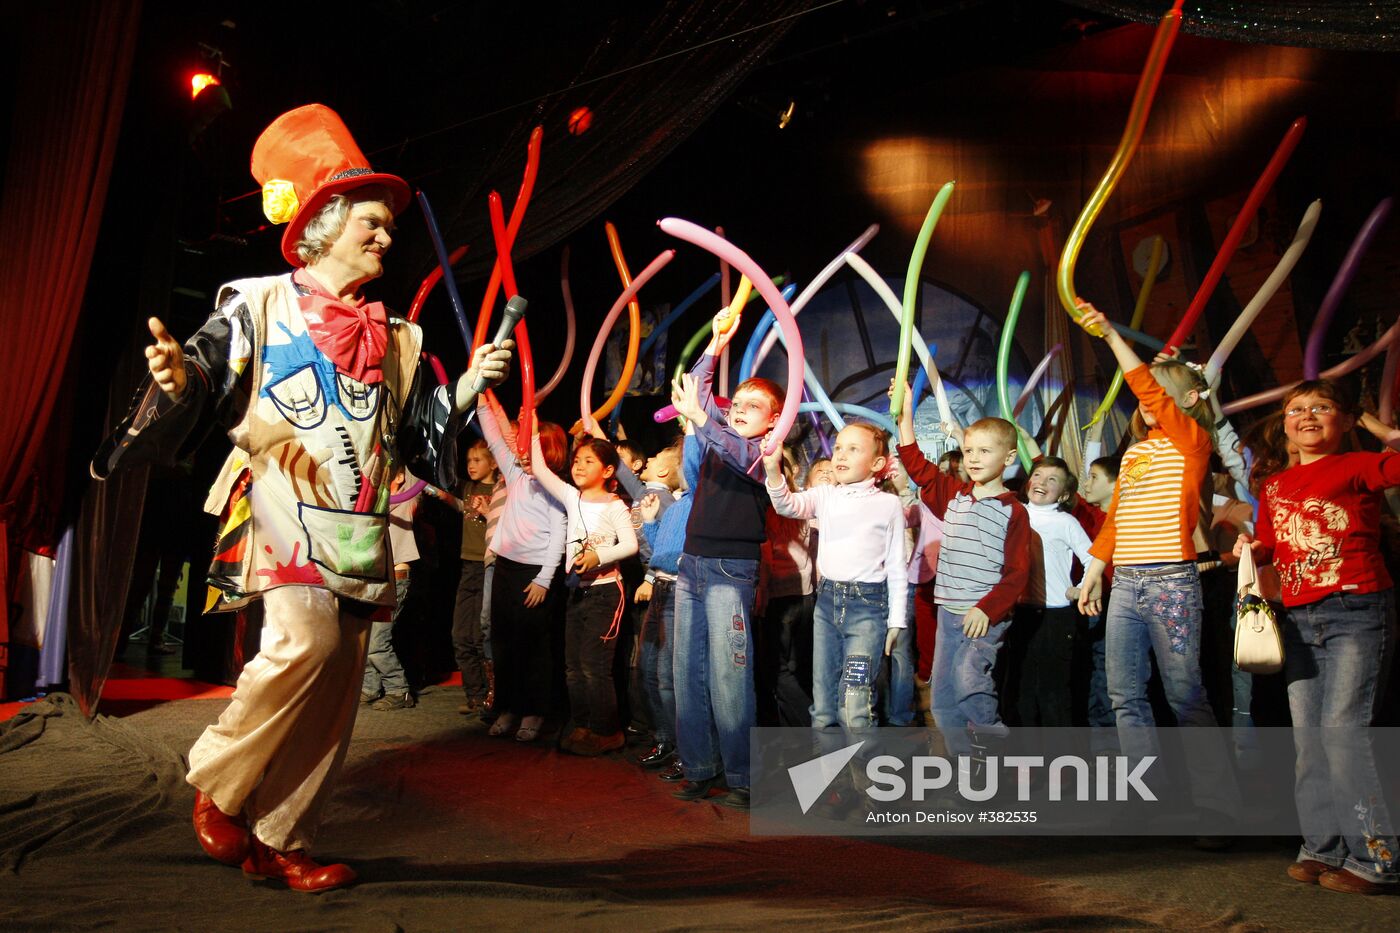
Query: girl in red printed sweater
pixel 1319 522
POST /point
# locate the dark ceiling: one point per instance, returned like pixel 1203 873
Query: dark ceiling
pixel 685 96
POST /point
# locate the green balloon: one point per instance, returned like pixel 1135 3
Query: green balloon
pixel 1008 336
pixel 911 294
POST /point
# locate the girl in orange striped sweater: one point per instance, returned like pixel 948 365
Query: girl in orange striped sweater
pixel 1155 605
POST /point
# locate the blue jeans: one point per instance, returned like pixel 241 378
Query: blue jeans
pixel 1241 713
pixel 486 611
pixel 1155 611
pixel 1104 737
pixel 898 703
pixel 1337 652
pixel 964 693
pixel 848 642
pixel 383 671
pixel 658 678
pixel 715 706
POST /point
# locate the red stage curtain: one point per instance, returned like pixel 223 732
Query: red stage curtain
pixel 71 80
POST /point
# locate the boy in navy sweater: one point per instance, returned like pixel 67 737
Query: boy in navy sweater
pixel 715 705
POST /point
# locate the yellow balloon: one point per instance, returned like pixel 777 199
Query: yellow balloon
pixel 1127 146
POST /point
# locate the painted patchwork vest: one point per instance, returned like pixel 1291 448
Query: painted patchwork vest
pixel 303 496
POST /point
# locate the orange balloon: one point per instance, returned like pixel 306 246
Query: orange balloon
pixel 634 335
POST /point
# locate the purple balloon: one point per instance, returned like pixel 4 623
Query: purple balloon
pixel 1312 355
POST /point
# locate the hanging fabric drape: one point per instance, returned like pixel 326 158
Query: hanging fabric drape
pixel 61 141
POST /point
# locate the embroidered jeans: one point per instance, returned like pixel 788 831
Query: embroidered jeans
pixel 848 644
pixel 1155 611
pixel 715 703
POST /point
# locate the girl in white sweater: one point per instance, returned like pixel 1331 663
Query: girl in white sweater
pixel 600 534
pixel 860 602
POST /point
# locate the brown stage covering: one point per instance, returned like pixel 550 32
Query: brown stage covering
pixel 452 829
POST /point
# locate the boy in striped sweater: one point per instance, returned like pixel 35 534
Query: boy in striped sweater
pixel 983 569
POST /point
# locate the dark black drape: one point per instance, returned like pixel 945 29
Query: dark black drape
pixel 1357 25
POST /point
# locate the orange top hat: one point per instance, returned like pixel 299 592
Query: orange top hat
pixel 303 159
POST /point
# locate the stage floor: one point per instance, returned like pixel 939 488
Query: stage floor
pixel 452 829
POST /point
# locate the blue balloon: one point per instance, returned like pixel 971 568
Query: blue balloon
pixel 860 411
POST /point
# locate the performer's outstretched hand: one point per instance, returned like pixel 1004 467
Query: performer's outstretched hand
pixel 489 362
pixel 166 360
pixel 492 363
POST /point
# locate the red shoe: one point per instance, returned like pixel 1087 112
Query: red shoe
pixel 592 744
pixel 1308 870
pixel 1339 879
pixel 296 868
pixel 225 838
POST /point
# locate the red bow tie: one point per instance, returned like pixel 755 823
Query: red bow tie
pixel 352 337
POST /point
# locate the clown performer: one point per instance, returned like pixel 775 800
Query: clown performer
pixel 319 394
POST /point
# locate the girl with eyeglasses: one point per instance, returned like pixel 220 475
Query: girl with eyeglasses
pixel 1319 523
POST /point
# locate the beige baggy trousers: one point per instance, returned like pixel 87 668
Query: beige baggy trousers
pixel 274 753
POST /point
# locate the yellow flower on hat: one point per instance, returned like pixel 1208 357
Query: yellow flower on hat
pixel 279 200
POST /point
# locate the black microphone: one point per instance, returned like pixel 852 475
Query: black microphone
pixel 515 310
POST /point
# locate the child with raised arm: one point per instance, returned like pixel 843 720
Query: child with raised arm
pixel 599 534
pixel 660 474
pixel 715 703
pixel 982 571
pixel 528 543
pixel 1154 610
pixel 1319 523
pixel 861 597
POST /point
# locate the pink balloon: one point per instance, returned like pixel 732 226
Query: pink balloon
pixel 585 398
pixel 1034 379
pixel 664 415
pixel 699 236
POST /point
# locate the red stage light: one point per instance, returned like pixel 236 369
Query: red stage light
pixel 580 120
pixel 201 81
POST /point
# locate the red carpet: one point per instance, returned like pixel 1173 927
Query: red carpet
pixel 131 689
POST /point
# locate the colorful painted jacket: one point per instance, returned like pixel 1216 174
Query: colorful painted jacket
pixel 303 496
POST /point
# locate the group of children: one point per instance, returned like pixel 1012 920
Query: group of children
pixel 766 603
pixel 761 602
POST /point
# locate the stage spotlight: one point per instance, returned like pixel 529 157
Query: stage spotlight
pixel 201 81
pixel 208 95
pixel 580 121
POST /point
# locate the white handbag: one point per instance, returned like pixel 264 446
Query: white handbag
pixel 1258 644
